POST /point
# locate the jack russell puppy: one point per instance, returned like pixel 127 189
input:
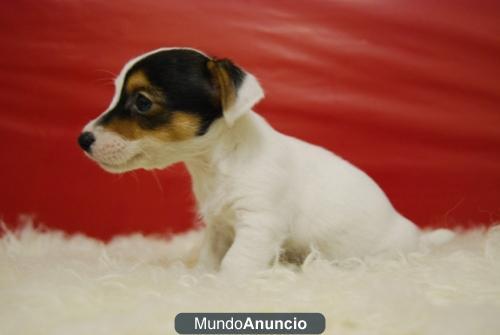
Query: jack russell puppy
pixel 260 193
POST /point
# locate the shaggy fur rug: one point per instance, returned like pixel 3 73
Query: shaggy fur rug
pixel 56 284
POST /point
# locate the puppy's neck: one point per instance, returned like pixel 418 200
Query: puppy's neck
pixel 226 148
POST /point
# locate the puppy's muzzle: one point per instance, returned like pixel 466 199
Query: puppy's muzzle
pixel 85 140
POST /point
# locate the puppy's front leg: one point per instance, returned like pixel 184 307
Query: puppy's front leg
pixel 257 241
pixel 214 246
pixel 207 259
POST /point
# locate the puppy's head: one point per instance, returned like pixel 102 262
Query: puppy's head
pixel 164 104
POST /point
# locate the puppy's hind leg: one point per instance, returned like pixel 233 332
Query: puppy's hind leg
pixel 403 236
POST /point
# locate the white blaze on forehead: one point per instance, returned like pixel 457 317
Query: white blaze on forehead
pixel 119 81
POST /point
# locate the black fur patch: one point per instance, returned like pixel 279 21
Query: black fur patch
pixel 182 77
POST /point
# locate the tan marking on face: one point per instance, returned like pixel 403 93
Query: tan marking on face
pixel 136 81
pixel 182 126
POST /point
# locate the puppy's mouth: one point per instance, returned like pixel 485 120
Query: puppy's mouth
pixel 118 167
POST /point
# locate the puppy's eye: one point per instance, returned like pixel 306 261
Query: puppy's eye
pixel 142 103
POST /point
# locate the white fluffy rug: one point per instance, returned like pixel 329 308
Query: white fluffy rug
pixel 54 284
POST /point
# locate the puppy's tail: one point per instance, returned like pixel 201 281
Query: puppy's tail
pixel 437 237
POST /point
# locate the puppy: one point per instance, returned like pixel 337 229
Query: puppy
pixel 259 192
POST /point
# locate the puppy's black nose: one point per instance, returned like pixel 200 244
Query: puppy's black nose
pixel 85 140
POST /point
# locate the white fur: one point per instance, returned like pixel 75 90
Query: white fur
pixel 269 191
pixel 51 284
pixel 260 192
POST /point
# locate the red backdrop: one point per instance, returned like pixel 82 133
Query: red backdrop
pixel 407 90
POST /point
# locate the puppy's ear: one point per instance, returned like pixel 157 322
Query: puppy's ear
pixel 237 90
